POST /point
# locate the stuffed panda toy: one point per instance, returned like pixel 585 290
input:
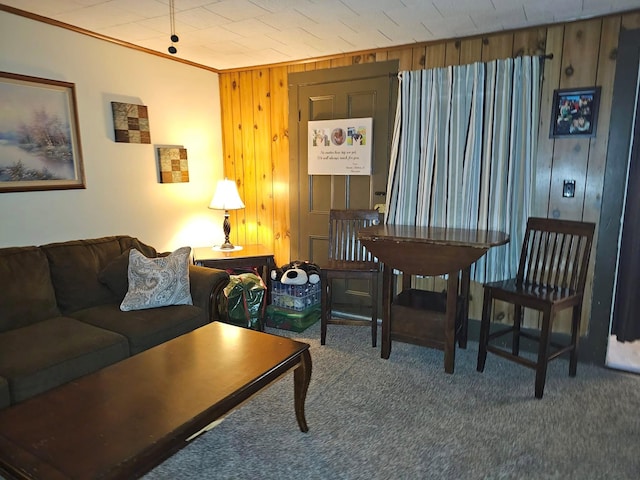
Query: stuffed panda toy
pixel 296 273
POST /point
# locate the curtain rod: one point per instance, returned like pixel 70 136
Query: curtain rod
pixel 548 56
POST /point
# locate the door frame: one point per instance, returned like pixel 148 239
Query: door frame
pixel 594 346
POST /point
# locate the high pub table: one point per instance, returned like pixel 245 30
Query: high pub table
pixel 428 251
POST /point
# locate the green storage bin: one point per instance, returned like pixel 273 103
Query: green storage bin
pixel 296 321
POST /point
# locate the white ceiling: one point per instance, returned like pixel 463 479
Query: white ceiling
pixel 226 34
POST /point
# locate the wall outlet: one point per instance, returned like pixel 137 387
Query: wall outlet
pixel 569 188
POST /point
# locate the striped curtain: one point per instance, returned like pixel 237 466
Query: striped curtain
pixel 463 151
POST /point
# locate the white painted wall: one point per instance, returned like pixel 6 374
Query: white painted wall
pixel 122 195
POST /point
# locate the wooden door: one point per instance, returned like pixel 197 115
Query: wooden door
pixel 359 91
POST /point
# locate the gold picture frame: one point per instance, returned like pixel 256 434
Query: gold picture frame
pixel 39 135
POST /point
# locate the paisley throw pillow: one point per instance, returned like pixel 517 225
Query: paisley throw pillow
pixel 157 282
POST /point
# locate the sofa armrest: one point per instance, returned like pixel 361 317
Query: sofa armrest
pixel 206 288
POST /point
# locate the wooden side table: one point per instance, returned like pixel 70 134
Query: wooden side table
pixel 257 256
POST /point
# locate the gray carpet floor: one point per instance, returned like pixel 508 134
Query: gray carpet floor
pixel 404 418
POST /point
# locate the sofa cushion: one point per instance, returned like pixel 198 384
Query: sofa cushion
pixel 115 274
pixel 26 292
pixel 5 398
pixel 127 243
pixel 157 282
pixel 46 354
pixel 75 266
pixel 145 328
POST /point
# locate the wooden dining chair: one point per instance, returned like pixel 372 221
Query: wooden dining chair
pixel 348 259
pixel 551 277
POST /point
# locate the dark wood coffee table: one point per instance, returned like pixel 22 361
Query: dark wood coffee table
pixel 125 419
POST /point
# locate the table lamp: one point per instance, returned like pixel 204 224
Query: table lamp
pixel 226 198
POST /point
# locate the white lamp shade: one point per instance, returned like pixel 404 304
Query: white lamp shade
pixel 226 196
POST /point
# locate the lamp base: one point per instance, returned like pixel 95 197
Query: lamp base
pixel 227 246
pixel 222 248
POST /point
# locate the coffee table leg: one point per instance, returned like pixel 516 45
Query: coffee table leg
pixel 301 380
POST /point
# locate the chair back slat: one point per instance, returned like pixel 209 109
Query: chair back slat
pixel 344 225
pixel 555 254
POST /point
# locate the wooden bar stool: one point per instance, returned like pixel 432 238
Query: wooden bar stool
pixel 551 277
pixel 349 259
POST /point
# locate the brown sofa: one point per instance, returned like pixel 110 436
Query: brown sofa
pixel 60 314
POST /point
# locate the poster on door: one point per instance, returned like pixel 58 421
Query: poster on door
pixel 340 147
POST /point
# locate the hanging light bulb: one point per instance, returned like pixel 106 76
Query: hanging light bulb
pixel 172 19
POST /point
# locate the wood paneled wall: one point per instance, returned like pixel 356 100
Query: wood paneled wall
pixel 255 123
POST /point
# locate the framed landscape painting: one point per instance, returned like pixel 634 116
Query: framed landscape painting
pixel 39 135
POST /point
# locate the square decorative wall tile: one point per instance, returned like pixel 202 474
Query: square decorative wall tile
pixel 173 164
pixel 131 123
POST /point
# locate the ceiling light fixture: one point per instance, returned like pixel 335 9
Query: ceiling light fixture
pixel 172 19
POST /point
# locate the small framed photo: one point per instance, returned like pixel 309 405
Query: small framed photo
pixel 574 112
